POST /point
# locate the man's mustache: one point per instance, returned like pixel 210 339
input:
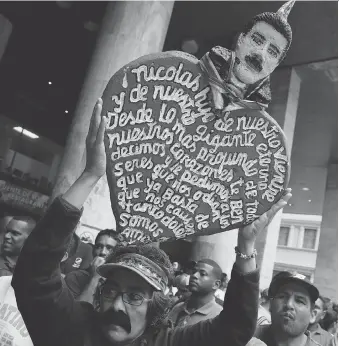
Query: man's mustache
pixel 117 318
pixel 254 60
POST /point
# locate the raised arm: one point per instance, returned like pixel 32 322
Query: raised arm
pixel 237 322
pixel 50 313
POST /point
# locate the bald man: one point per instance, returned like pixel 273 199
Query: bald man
pixel 17 231
pixel 201 305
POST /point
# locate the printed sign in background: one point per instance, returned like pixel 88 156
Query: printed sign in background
pixel 174 169
pixel 21 198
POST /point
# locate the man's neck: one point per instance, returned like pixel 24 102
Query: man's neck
pixel 286 340
pixel 197 301
pixel 11 259
pixel 313 327
pixel 236 86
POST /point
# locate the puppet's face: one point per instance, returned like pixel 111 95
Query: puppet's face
pixel 258 53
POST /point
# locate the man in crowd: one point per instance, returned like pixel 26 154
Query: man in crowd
pixel 77 257
pixel 133 304
pixel 16 233
pixel 201 304
pixel 264 316
pixel 83 283
pixel 317 333
pixel 292 304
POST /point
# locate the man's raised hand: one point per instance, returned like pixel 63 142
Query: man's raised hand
pixel 95 148
pixel 251 231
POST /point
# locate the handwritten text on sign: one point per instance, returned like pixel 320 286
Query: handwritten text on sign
pixel 174 169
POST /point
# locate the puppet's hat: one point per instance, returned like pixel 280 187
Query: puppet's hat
pixel 285 9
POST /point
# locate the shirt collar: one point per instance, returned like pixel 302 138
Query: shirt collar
pixel 205 309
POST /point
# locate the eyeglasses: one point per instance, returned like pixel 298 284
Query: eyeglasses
pixel 130 298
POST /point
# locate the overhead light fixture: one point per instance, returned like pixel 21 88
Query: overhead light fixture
pixel 309 201
pixel 66 111
pixel 25 132
pixel 91 26
pixel 190 46
pixel 50 83
pixel 305 189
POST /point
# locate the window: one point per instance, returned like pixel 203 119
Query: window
pixel 283 235
pixel 310 236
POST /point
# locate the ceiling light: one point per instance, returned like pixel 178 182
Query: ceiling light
pixel 25 132
pixel 91 26
pixel 50 83
pixel 309 201
pixel 190 46
pixel 66 111
pixel 305 189
pixel 290 204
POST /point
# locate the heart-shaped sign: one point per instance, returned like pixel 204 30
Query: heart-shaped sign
pixel 174 168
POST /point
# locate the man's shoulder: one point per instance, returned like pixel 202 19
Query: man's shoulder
pixel 263 333
pixel 320 336
pixel 178 307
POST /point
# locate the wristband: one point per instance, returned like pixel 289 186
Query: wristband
pixel 243 256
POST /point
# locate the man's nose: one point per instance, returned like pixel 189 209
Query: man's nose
pixel 118 303
pixel 195 275
pixel 289 303
pixel 7 235
pixel 104 252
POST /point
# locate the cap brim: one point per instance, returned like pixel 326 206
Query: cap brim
pixel 106 271
pixel 313 291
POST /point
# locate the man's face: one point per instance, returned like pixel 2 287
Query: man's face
pixel 319 310
pixel 291 310
pixel 16 233
pixel 104 246
pixel 258 53
pixel 121 322
pixel 203 279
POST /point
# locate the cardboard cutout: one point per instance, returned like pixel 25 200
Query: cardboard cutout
pixel 190 148
pixel 174 168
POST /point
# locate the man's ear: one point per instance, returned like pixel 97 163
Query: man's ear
pixel 313 315
pixel 323 314
pixel 217 284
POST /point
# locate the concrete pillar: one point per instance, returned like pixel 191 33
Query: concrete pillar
pixel 129 30
pixel 326 272
pixel 5 138
pixel 219 247
pixel 5 145
pixel 285 86
pixel 54 168
pixel 5 33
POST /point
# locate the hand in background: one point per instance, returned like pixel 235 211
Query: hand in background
pixel 95 148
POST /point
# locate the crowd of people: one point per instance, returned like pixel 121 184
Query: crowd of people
pixel 69 292
pixel 65 292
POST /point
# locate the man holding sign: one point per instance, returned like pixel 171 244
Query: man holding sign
pixel 133 304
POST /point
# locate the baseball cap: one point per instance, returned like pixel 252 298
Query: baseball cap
pixel 285 277
pixel 140 265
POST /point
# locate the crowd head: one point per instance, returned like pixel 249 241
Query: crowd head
pixel 17 231
pixel 133 299
pixel 206 277
pixel 292 303
pixel 105 242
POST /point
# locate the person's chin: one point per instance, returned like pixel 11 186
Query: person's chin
pixel 116 334
pixel 246 75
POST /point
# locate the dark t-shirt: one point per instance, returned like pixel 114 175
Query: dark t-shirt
pixel 81 259
pixel 77 280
